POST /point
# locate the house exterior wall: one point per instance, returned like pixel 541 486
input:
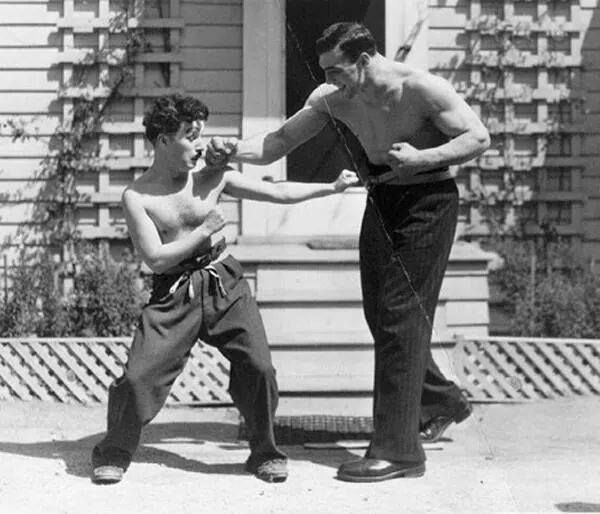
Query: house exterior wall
pixel 556 176
pixel 228 53
pixel 39 43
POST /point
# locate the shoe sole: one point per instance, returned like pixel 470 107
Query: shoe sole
pixel 106 477
pixel 272 479
pixel 416 472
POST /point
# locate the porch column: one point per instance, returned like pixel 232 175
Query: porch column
pixel 263 94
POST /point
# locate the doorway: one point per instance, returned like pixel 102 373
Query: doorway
pixel 322 157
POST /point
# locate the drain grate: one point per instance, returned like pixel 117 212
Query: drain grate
pixel 317 429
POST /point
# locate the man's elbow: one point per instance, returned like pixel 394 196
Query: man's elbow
pixel 156 263
pixel 275 147
pixel 156 266
pixel 482 137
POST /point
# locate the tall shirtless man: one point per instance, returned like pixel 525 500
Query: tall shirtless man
pixel 412 126
pixel 198 290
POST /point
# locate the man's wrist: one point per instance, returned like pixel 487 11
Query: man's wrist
pixel 430 160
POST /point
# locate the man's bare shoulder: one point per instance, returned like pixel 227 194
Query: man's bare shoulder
pixel 426 84
pixel 135 191
pixel 324 96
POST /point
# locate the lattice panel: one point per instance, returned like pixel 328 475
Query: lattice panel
pixel 121 140
pixel 534 82
pixel 519 369
pixel 80 371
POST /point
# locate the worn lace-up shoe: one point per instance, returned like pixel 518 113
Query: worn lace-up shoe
pixel 270 470
pixel 109 465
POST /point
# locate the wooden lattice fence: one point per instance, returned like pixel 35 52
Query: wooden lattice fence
pixel 521 369
pixel 79 370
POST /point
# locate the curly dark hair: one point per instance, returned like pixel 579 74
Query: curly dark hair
pixel 168 112
pixel 352 39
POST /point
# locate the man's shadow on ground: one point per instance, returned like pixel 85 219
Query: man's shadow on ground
pixel 76 453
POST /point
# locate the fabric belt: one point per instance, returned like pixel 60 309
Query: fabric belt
pixel 185 269
pixel 422 177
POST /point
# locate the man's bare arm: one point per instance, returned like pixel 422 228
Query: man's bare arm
pixel 160 256
pixel 267 148
pixel 453 117
pixel 241 186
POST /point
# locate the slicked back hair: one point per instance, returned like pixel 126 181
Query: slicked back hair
pixel 168 112
pixel 352 38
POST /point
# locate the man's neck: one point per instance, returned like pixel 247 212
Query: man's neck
pixel 163 174
pixel 383 80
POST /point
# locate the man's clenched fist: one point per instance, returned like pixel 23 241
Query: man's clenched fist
pixel 219 150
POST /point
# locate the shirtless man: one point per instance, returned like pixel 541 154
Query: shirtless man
pixel 412 126
pixel 198 290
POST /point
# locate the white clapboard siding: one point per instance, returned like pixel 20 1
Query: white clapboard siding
pixel 40 36
pixel 23 13
pixel 224 12
pixel 212 58
pixel 218 36
pixel 209 80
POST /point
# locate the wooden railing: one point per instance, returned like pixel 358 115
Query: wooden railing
pixel 495 369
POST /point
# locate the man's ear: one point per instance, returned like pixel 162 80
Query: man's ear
pixel 162 139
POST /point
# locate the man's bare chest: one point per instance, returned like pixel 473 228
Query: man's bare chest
pixel 182 211
pixel 379 128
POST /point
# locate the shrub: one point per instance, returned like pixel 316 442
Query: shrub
pixel 106 297
pixel 546 291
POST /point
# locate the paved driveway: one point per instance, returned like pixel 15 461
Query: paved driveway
pixel 539 457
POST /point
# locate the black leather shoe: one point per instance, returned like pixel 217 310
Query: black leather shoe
pixel 434 429
pixel 375 470
pixel 109 465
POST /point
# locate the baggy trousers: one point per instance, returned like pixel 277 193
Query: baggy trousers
pixel 216 306
pixel 401 280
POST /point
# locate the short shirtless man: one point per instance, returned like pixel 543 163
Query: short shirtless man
pixel 412 126
pixel 198 290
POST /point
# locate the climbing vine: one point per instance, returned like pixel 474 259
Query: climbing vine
pixel 102 296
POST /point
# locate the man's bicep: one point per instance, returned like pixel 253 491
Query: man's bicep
pixel 456 120
pixel 447 109
pixel 298 129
